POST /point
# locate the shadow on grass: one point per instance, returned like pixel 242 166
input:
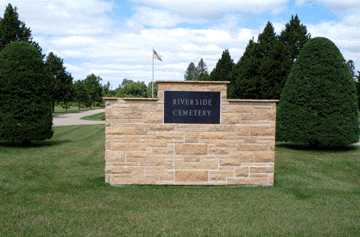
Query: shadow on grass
pixel 96 181
pixel 305 147
pixel 33 144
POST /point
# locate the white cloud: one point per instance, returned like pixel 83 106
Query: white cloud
pixel 63 17
pixel 159 13
pixel 348 10
pixel 352 19
pixel 344 36
pixel 332 3
pixel 211 7
pixel 128 55
pixel 156 17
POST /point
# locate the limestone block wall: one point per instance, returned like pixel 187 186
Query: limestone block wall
pixel 142 149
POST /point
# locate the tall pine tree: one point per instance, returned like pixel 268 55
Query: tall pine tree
pixel 202 67
pixel 190 74
pixel 269 52
pixel 223 67
pixel 292 38
pixel 202 72
pixel 256 74
pixel 245 75
pixel 262 71
pixel 12 29
pixel 357 85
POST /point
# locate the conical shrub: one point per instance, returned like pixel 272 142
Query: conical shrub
pixel 25 109
pixel 318 104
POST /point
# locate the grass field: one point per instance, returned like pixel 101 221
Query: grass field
pixel 95 117
pixel 56 188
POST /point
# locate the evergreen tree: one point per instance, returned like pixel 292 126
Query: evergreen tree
pixel 255 76
pixel 12 29
pixel 318 104
pixel 25 109
pixel 357 85
pixel 190 74
pixel 351 65
pixel 222 68
pixel 93 87
pixel 293 39
pixel 262 71
pixel 204 76
pixel 245 75
pixel 202 67
pixel 269 71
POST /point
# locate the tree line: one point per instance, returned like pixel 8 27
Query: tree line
pixel 61 83
pixel 63 89
pixel 264 67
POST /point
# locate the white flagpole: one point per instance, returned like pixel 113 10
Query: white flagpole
pixel 152 88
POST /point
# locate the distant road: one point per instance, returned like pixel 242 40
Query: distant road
pixel 74 118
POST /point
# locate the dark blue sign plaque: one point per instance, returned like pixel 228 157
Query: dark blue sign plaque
pixel 192 107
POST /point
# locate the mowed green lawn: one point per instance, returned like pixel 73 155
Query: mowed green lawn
pixel 95 117
pixel 56 188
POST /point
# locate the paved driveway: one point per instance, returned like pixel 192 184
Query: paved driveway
pixel 74 118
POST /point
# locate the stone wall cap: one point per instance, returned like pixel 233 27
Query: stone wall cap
pixel 194 82
pixel 130 98
pixel 109 98
pixel 134 98
pixel 252 100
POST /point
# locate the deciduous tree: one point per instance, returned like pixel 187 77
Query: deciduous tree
pixel 135 89
pixel 149 90
pixel 61 80
pixel 81 95
pixel 93 86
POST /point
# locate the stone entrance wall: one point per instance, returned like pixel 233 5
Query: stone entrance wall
pixel 142 149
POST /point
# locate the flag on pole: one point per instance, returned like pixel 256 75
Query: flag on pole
pixel 157 56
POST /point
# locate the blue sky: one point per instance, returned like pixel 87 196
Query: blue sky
pixel 114 39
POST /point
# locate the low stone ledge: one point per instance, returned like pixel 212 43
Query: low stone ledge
pixel 130 98
pixel 109 98
pixel 139 99
pixel 195 82
pixel 251 100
